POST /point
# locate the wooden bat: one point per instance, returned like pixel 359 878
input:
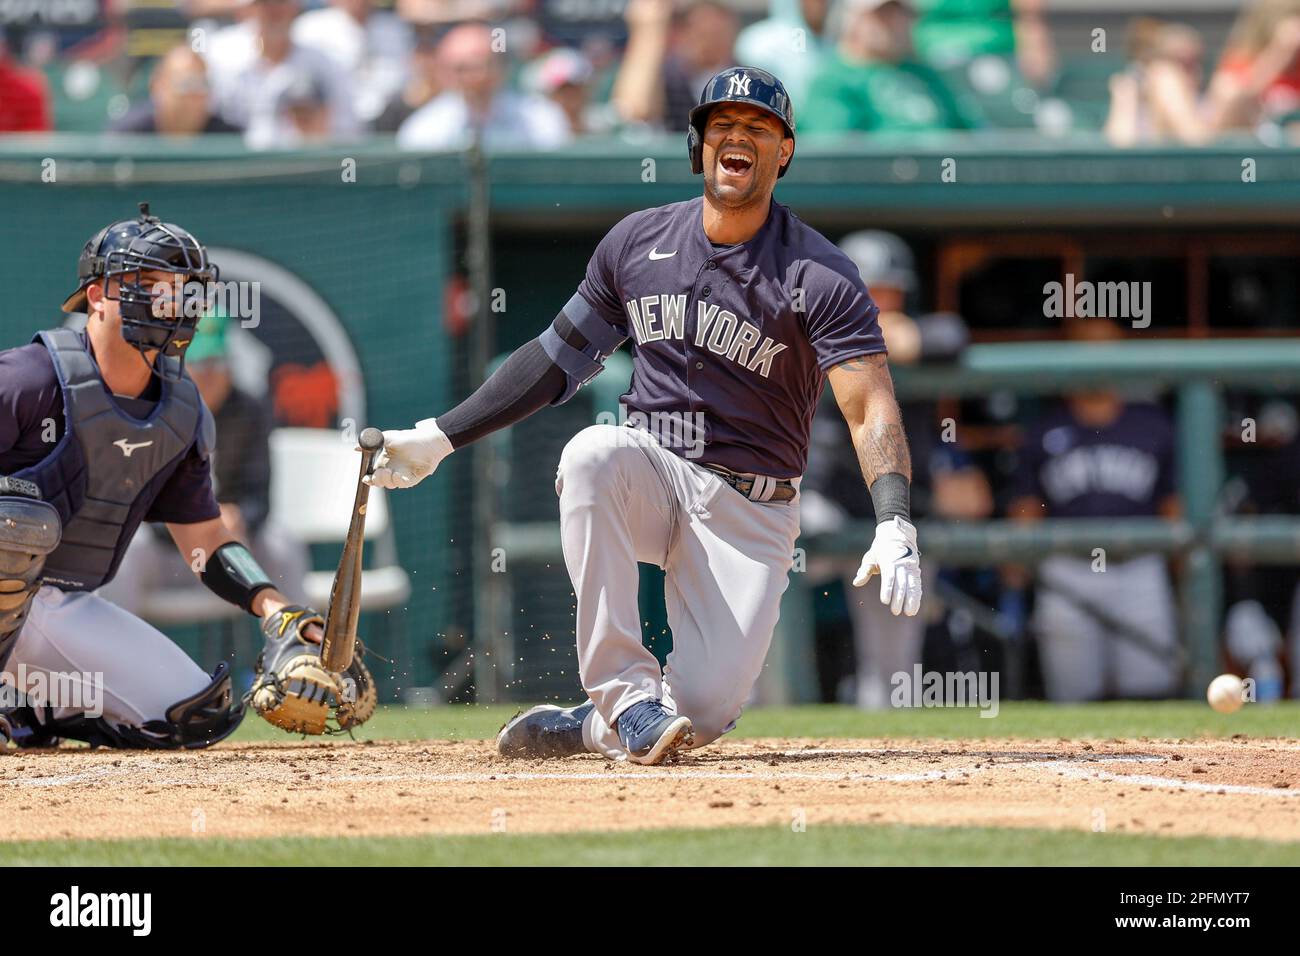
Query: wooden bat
pixel 345 597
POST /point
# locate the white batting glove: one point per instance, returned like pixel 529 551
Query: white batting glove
pixel 410 455
pixel 896 558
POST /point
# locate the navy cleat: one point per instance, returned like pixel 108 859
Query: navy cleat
pixel 544 731
pixel 19 726
pixel 651 735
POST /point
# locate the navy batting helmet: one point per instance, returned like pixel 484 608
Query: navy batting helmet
pixel 739 84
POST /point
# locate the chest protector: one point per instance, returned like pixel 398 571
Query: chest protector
pixel 105 462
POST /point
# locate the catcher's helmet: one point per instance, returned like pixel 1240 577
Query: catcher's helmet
pixel 739 84
pixel 126 249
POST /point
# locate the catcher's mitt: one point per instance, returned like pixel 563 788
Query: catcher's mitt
pixel 359 697
pixel 293 691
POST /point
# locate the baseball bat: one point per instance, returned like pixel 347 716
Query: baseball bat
pixel 345 596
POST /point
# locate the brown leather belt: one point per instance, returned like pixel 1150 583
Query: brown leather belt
pixel 757 487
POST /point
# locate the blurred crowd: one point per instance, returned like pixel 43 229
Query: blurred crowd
pixel 438 73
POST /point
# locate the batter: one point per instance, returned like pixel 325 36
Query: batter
pixel 738 314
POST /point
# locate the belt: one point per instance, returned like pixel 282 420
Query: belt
pixel 756 487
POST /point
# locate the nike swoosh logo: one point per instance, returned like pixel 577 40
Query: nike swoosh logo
pixel 906 554
pixel 655 254
pixel 127 447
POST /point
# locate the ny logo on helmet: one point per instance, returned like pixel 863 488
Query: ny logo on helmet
pixel 738 84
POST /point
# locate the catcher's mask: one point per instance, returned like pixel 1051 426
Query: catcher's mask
pixel 738 84
pixel 126 250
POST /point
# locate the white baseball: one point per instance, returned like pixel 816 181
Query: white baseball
pixel 1225 693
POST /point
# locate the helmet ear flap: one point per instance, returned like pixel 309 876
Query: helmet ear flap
pixel 695 149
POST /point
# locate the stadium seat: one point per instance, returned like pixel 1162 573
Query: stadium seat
pixel 1084 83
pixel 995 86
pixel 86 97
pixel 319 510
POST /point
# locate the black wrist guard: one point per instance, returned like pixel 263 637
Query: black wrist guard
pixel 890 495
pixel 233 574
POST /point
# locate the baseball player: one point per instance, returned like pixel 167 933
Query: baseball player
pixel 100 431
pixel 1100 455
pixel 738 314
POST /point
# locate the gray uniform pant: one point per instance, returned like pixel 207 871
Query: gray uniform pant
pixel 107 662
pixel 1081 659
pixel 885 643
pixel 624 498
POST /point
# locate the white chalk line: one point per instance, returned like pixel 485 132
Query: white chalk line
pixel 1174 783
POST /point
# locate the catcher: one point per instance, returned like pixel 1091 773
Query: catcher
pixel 99 432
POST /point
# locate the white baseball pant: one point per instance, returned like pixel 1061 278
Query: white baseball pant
pixel 1081 659
pixel 138 671
pixel 624 498
pixel 884 643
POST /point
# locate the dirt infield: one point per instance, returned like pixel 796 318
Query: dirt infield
pixel 1239 787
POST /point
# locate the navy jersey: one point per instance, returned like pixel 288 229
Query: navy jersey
pixel 32 422
pixel 738 338
pixel 1122 470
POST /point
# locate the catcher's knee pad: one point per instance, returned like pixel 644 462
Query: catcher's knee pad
pixel 197 721
pixel 29 530
pixel 212 714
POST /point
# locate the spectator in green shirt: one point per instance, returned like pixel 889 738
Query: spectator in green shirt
pixel 874 83
pixel 952 32
pixel 791 43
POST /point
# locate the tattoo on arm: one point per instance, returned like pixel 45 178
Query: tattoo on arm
pixel 862 363
pixel 882 448
pixel 879 440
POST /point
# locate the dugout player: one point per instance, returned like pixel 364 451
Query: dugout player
pixel 1101 456
pixel 739 313
pixel 100 431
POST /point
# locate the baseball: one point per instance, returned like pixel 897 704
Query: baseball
pixel 1224 693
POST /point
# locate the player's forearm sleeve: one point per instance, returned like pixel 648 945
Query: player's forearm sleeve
pixel 546 371
pixel 526 381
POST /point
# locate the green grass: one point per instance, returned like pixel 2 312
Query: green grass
pixel 818 846
pixel 1015 719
